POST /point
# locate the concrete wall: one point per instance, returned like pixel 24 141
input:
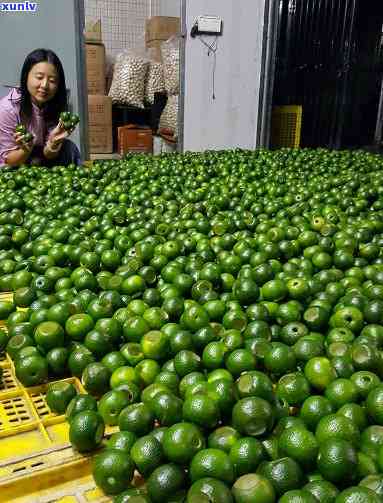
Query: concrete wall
pixel 230 120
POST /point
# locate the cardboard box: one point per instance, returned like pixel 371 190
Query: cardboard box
pixel 100 139
pixel 92 31
pixel 133 138
pixel 161 28
pixel 100 124
pixel 95 68
pixel 99 109
pixel 154 50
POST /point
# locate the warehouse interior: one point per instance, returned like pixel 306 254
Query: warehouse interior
pixel 341 72
pixel 121 28
pixel 240 84
pixel 201 68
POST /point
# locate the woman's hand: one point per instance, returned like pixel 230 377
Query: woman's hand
pixel 57 136
pixel 55 140
pixel 27 146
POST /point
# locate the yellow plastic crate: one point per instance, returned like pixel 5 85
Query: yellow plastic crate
pixel 63 480
pixel 37 462
pixel 8 382
pixel 6 296
pixel 27 426
pixel 286 125
pixel 5 361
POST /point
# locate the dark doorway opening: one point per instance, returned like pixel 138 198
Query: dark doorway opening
pixel 330 60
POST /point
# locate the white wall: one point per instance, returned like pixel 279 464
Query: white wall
pixel 230 120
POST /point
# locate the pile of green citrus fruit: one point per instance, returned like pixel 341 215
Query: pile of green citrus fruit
pixel 224 310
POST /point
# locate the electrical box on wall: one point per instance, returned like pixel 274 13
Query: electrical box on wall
pixel 207 25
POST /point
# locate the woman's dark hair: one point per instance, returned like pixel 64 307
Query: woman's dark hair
pixel 59 102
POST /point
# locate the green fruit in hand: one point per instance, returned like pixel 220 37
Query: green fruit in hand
pixel 20 128
pixel 69 120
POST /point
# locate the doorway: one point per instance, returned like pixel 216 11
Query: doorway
pixel 330 60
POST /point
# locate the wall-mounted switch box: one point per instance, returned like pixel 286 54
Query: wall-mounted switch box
pixel 207 25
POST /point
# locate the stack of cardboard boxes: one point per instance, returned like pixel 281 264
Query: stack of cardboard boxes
pixel 158 29
pixel 99 105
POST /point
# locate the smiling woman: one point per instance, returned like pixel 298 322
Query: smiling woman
pixel 42 82
pixel 30 128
